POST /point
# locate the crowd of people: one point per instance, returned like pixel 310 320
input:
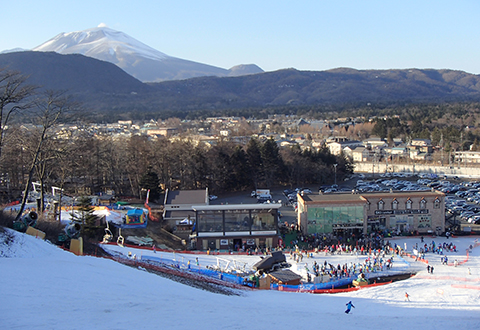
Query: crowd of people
pixel 376 260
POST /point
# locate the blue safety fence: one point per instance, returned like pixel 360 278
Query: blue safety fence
pixel 314 286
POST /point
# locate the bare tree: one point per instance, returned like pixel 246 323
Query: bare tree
pixel 49 110
pixel 14 93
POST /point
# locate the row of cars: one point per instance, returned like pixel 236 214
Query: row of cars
pixel 389 184
pixel 464 201
pixel 462 198
pixel 465 211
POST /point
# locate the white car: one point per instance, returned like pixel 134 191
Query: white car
pixel 473 219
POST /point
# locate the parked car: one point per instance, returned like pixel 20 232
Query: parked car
pixel 473 219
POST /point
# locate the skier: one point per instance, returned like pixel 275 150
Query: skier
pixel 349 307
pixel 407 297
pixel 428 269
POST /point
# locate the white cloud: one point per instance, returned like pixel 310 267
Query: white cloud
pixel 102 25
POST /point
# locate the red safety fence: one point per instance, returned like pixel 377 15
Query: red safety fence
pixel 466 259
pixel 350 289
pixel 415 257
pixel 448 278
pixel 464 286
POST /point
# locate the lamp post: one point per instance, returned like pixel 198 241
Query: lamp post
pixel 335 167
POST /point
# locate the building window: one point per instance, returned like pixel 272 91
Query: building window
pixel 395 205
pixel 237 220
pixel 408 204
pixel 423 204
pixel 263 220
pixel 436 203
pixel 210 221
pixel 380 204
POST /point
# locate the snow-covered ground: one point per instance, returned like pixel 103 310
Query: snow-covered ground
pixel 44 287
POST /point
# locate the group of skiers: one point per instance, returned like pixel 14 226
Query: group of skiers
pixel 373 263
pixel 440 248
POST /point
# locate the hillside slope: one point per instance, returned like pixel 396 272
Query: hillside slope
pixel 104 87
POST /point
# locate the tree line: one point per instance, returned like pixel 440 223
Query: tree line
pixel 133 165
pixel 35 148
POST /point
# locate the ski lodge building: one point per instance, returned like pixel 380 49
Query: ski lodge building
pixel 215 227
pixel 235 226
pixel 347 213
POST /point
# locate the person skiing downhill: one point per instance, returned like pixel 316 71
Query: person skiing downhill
pixel 349 307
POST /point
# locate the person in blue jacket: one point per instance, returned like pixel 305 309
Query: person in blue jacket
pixel 349 307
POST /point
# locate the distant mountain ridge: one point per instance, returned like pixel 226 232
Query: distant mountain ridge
pixel 102 86
pixel 134 57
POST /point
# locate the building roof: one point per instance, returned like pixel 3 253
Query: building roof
pixel 336 198
pixel 179 214
pixel 362 198
pixel 400 194
pixel 285 275
pixel 266 206
pixel 186 197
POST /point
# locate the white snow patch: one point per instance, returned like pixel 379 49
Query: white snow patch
pixel 44 287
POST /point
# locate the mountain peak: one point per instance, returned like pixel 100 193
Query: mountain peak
pixel 244 69
pixel 100 42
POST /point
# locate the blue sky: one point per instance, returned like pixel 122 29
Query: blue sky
pixel 306 35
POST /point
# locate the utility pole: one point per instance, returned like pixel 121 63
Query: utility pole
pixel 335 166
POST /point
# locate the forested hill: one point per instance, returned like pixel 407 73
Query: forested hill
pixel 102 86
pixel 332 87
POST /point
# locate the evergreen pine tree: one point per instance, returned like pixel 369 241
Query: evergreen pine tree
pixel 150 181
pixel 85 216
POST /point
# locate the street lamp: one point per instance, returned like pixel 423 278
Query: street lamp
pixel 335 166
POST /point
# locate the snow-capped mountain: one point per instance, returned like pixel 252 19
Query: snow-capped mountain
pixel 100 42
pixel 134 57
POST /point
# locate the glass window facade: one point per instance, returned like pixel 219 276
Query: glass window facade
pixel 237 220
pixel 322 219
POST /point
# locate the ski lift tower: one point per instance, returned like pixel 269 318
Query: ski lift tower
pixel 35 186
pixel 57 207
